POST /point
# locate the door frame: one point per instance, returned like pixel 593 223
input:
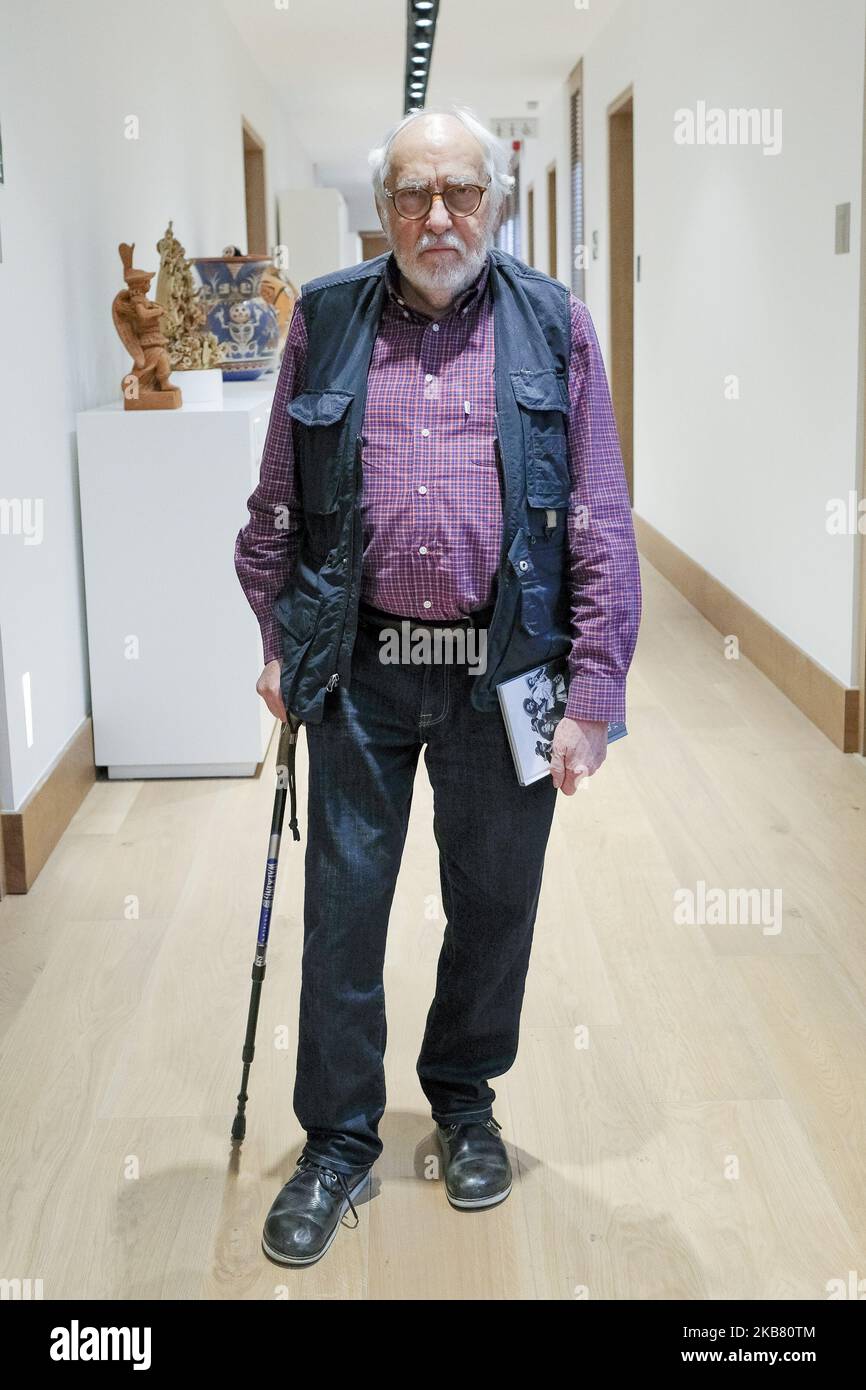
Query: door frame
pixel 552 215
pixel 621 271
pixel 860 594
pixel 255 199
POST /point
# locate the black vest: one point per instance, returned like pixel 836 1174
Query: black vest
pixel 318 609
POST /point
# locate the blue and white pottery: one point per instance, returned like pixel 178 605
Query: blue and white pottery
pixel 238 315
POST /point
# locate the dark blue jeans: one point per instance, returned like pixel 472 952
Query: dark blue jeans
pixel 492 835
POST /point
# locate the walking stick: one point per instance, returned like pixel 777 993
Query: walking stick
pixel 285 760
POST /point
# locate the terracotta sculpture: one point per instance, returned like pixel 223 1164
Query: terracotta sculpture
pixel 136 319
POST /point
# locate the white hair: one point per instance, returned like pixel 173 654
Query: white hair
pixel 497 156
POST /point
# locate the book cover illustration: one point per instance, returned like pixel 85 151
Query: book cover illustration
pixel 532 705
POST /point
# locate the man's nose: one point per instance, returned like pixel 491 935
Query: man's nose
pixel 438 218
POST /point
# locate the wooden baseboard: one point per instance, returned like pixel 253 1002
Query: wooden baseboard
pixel 832 706
pixel 28 836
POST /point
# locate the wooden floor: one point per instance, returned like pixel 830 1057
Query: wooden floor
pixel 687 1115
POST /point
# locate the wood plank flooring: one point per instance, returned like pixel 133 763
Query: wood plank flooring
pixel 687 1114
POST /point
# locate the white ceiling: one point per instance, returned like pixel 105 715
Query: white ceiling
pixel 338 66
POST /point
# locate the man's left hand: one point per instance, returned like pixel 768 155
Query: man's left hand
pixel 579 749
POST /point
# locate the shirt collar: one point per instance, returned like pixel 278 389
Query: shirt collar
pixel 464 301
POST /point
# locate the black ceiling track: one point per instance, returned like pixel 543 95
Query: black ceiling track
pixel 421 16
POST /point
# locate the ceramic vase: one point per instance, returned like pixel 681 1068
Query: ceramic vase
pixel 238 315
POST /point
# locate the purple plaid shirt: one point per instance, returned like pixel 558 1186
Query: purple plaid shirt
pixel 431 499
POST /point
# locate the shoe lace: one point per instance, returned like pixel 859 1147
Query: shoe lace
pixel 490 1124
pixel 324 1172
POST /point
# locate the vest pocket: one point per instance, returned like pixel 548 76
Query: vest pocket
pixel 543 400
pixel 298 615
pixel 320 441
pixel 534 607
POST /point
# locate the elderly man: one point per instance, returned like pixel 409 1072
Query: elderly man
pixel 442 451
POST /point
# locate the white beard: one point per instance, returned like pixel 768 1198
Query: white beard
pixel 448 274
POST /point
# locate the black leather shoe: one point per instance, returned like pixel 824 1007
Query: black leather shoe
pixel 477 1169
pixel 307 1212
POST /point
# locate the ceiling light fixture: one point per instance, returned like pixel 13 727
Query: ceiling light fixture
pixel 421 17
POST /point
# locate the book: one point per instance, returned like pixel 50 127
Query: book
pixel 532 705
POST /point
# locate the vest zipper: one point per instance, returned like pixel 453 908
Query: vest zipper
pixel 334 680
pixel 503 570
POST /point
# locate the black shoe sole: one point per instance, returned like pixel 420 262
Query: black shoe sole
pixel 472 1203
pixel 283 1259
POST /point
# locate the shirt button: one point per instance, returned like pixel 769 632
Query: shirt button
pixel 425 432
pixel 524 564
pixel 435 328
pixel 422 550
pixel 429 376
pixel 422 488
pixel 427 603
pixel 405 313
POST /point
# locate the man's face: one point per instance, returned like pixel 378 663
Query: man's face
pixel 440 255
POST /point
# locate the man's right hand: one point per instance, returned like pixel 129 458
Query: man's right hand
pixel 268 686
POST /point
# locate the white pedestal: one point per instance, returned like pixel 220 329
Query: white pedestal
pixel 175 649
pixel 200 388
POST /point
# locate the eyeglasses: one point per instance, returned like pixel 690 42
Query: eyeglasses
pixel 461 200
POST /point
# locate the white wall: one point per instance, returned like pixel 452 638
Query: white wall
pixel 70 75
pixel 739 276
pixel 314 224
